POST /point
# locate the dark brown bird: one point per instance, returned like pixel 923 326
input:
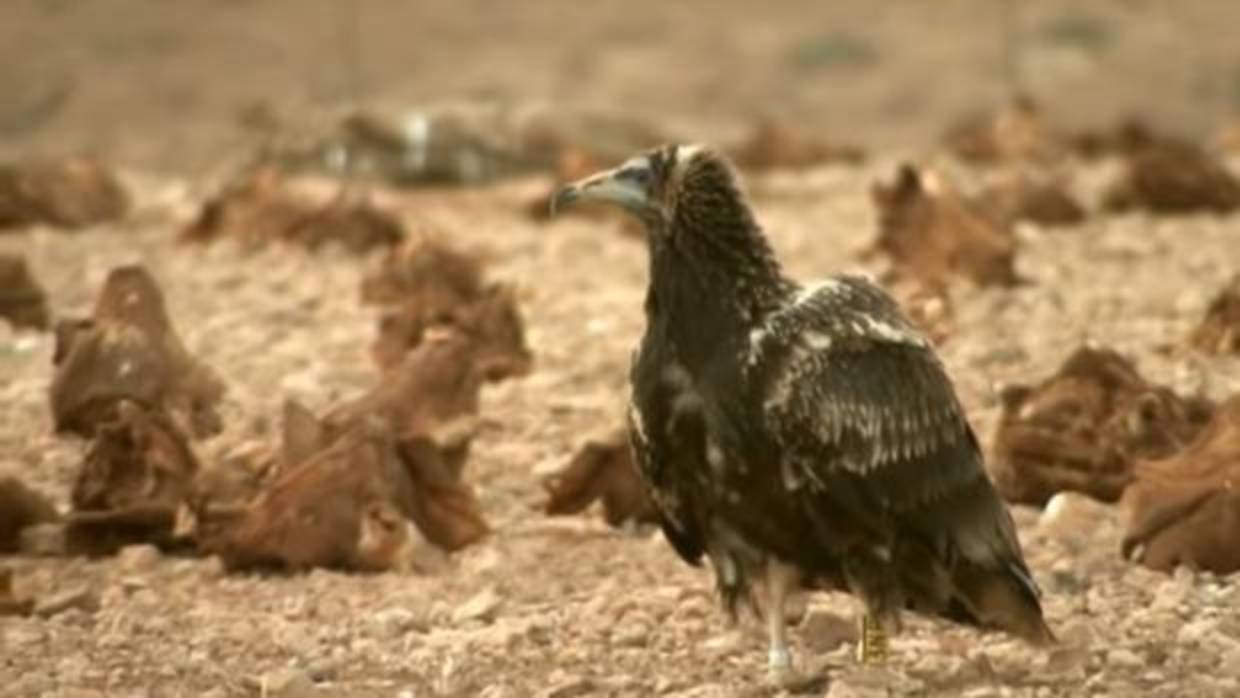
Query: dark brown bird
pixel 801 435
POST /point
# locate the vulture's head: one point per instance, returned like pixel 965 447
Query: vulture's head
pixel 670 188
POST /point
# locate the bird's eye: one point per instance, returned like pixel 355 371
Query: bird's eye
pixel 637 175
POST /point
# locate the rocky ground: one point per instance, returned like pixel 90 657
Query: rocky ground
pixel 568 607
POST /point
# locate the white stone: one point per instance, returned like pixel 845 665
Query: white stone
pixel 287 683
pixel 1125 658
pixel 137 558
pixel 1072 517
pixel 481 607
pixel 1198 631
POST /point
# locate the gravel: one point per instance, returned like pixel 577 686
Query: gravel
pixel 570 607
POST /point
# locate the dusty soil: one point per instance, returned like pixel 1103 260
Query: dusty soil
pixel 568 607
pixel 578 604
pixel 161 84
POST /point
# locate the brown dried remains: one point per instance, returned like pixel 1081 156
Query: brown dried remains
pixel 423 267
pixel 70 193
pixel 1083 428
pixel 929 306
pixel 1020 197
pixel 603 469
pixel 334 511
pixel 1124 138
pixel 229 483
pixel 129 351
pixel 430 404
pixel 432 394
pixel 1016 132
pixel 1168 176
pixel 350 506
pixel 135 477
pixel 427 285
pixel 23 303
pixel 1219 331
pixel 932 233
pixel 20 507
pixel 263 207
pixel 441 504
pixel 491 323
pixel 345 488
pixel 771 145
pixel 1185 509
pixel 10 605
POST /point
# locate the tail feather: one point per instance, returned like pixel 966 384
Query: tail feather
pixel 976 575
pixel 1004 598
pixel 990 576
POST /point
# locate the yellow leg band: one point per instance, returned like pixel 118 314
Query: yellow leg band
pixel 872 647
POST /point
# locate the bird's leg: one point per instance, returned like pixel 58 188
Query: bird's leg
pixel 779 579
pixel 872 645
pixel 868 577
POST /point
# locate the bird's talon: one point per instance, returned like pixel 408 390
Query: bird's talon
pixel 782 676
pixel 779 660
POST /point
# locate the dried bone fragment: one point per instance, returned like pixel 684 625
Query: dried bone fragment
pixel 1185 509
pixel 129 351
pixel 69 194
pixel 23 303
pixel 602 469
pixel 932 233
pixel 1083 428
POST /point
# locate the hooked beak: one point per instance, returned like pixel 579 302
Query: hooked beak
pixel 623 187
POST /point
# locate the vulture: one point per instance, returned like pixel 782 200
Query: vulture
pixel 801 436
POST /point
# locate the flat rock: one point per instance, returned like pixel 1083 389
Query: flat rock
pixel 710 690
pixel 287 683
pixel 1198 632
pixel 728 643
pixel 568 687
pixel 1123 657
pixel 80 597
pixel 823 630
pixel 1073 516
pixel 481 607
pixel 394 622
pixel 852 687
pixel 1076 632
pixel 137 558
pixel 634 633
pixel 1229 664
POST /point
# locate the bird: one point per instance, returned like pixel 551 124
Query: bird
pixel 801 436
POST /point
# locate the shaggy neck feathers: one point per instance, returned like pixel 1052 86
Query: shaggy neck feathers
pixel 713 273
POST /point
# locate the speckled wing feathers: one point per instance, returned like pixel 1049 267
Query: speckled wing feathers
pixel 653 463
pixel 852 389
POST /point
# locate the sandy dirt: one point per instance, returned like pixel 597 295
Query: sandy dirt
pixel 568 607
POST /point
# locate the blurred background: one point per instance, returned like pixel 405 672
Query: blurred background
pixel 105 77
